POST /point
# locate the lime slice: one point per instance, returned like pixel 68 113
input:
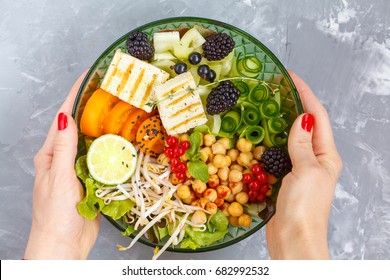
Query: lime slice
pixel 111 159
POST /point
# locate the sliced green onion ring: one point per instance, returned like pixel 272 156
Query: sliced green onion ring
pixel 230 121
pixel 251 116
pixel 279 139
pixel 259 93
pixel 243 88
pixel 249 66
pixel 255 134
pixel 276 125
pixel 269 109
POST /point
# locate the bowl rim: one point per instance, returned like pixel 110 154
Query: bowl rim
pixel 191 19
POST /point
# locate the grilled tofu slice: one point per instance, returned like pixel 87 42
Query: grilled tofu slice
pixel 180 105
pixel 133 80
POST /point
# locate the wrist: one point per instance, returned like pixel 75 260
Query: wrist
pixel 302 242
pixel 46 246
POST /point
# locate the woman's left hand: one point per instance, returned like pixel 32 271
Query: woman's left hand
pixel 57 230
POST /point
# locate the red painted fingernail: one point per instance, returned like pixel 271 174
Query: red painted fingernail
pixel 62 121
pixel 307 122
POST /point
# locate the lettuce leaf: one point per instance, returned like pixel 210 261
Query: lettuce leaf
pixel 117 208
pixel 198 239
pixel 129 230
pixel 219 221
pixel 90 206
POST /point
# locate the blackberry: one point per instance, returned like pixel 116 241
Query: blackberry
pixel 277 161
pixel 222 98
pixel 217 46
pixel 139 46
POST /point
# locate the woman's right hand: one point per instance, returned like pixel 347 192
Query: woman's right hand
pixel 298 230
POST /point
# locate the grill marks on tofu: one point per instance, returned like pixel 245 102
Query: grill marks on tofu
pixel 179 104
pixel 133 80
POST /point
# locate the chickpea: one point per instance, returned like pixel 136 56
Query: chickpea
pixel 209 140
pixel 199 217
pixel 228 161
pixel 235 176
pixel 184 158
pixel 213 181
pixel 224 208
pixel 245 220
pixel 252 162
pixel 236 187
pixel 230 198
pixel 235 209
pixel 237 167
pixel 225 142
pixel 244 159
pixel 198 186
pixel 258 152
pixel 246 171
pixel 219 201
pixel 218 149
pixel 272 179
pixel 205 153
pixel 174 179
pixel 190 199
pixel 224 182
pixel 212 169
pixel 196 203
pixel 220 161
pixel 211 208
pixel 210 194
pixel 203 201
pixel 183 192
pixel 242 197
pixel 184 137
pixel 233 221
pixel 233 154
pixel 188 174
pixel 223 173
pixel 223 191
pixel 163 160
pixel 244 145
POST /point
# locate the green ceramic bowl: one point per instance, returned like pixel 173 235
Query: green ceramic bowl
pixel 272 72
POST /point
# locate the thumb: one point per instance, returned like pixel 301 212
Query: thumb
pixel 65 145
pixel 300 146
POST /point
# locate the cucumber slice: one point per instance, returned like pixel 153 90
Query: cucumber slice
pixel 164 55
pixel 165 41
pixel 165 65
pixel 192 38
pixel 182 52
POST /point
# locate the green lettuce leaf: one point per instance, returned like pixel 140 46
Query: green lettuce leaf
pixel 82 168
pixel 129 230
pixel 198 239
pixel 117 208
pixel 219 221
pixel 86 206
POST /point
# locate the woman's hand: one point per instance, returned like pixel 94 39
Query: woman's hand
pixel 57 230
pixel 298 230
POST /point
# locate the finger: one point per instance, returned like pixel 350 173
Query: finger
pixel 323 141
pixel 43 158
pixel 64 146
pixel 300 146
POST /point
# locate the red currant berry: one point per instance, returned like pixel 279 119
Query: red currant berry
pixel 261 197
pixel 185 145
pixel 174 161
pixel 252 196
pixel 262 177
pixel 182 166
pixel 169 152
pixel 247 178
pixel 172 141
pixel 264 189
pixel 181 175
pixel 254 186
pixel 174 168
pixel 178 151
pixel 256 169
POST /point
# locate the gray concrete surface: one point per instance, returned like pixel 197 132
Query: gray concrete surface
pixel 340 47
